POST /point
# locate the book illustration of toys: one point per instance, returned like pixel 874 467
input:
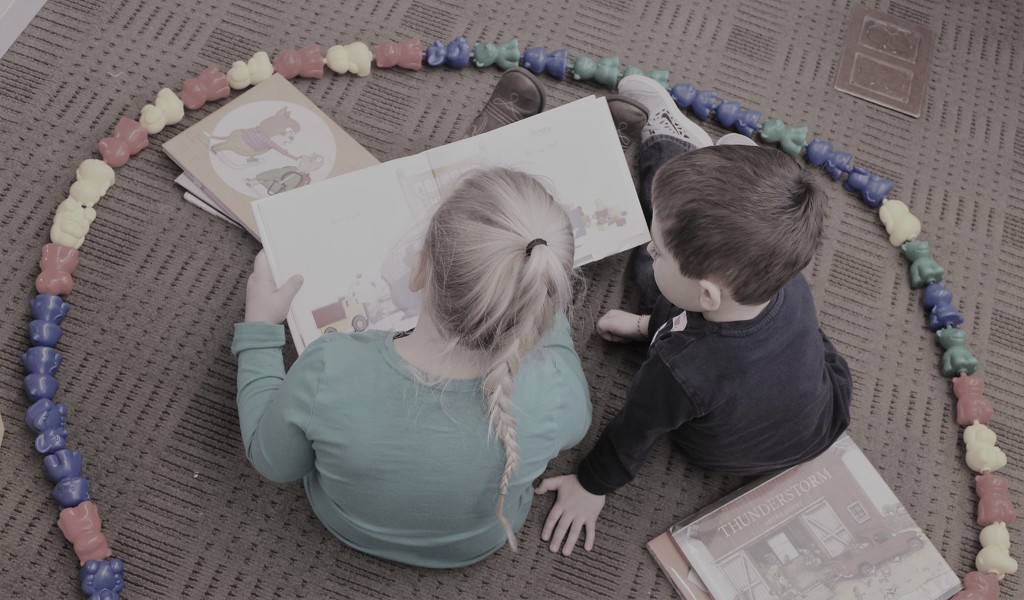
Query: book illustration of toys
pixel 603 217
pixel 271 134
pixel 282 179
pixel 367 303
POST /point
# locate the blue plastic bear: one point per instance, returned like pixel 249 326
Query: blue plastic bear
pixel 44 414
pixel 47 307
pixel 99 576
pixel 71 491
pixel 872 188
pixel 63 464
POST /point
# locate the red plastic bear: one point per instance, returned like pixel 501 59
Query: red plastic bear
pixel 971 405
pixel 81 526
pixel 211 84
pixel 994 505
pixel 307 62
pixel 979 586
pixel 407 54
pixel 129 138
pixel 57 264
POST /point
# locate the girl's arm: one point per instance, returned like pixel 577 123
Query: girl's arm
pixel 274 409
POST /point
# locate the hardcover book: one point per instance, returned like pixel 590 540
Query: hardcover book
pixel 354 237
pixel 829 528
pixel 267 141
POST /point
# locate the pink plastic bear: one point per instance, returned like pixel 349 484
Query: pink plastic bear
pixel 979 586
pixel 306 62
pixel 994 505
pixel 129 138
pixel 971 405
pixel 81 526
pixel 407 54
pixel 57 263
pixel 211 84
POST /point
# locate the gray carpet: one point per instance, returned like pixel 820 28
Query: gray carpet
pixel 149 378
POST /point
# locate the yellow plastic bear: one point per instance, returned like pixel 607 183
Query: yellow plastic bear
pixel 899 223
pixel 152 119
pixel 995 552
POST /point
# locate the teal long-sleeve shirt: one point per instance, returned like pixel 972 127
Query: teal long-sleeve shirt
pixel 392 467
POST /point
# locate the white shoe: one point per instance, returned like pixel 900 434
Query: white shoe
pixel 735 139
pixel 665 117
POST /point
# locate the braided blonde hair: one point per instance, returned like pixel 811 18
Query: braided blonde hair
pixel 488 293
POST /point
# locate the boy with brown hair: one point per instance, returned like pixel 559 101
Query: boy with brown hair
pixel 738 374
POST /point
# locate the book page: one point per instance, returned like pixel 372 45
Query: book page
pixel 353 239
pixel 575 150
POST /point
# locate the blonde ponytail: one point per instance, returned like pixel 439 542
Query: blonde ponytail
pixel 493 286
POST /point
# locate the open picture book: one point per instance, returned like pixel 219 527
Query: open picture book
pixel 828 529
pixel 354 237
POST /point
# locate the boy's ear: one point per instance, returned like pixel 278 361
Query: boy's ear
pixel 418 276
pixel 710 295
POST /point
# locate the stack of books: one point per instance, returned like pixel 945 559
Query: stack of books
pixel 269 140
pixel 827 529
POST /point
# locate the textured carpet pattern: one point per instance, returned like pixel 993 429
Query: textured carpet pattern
pixel 149 378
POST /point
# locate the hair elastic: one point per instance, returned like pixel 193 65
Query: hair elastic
pixel 529 247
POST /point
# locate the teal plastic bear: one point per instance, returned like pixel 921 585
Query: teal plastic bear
pixel 923 268
pixel 583 68
pixel 791 139
pixel 607 72
pixel 957 359
pixel 505 56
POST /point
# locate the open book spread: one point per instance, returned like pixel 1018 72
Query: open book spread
pixel 828 528
pixel 353 237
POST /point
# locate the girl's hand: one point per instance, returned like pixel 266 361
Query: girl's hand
pixel 621 326
pixel 265 302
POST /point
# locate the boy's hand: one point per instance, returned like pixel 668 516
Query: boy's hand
pixel 265 302
pixel 621 326
pixel 574 509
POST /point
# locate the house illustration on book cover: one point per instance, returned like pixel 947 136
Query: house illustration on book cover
pixel 828 529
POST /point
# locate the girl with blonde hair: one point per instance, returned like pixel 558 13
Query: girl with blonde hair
pixel 422 448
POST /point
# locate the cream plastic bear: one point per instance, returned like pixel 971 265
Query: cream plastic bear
pixel 982 453
pixel 239 77
pixel 71 223
pixel 899 223
pixel 354 58
pixel 260 67
pixel 995 552
pixel 152 119
pixel 171 105
pixel 96 170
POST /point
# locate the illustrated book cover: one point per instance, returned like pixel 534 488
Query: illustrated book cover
pixel 267 141
pixel 353 238
pixel 828 529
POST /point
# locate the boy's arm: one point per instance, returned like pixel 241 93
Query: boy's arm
pixel 655 404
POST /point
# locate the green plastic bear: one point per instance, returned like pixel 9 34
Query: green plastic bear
pixel 923 268
pixel 659 75
pixel 957 359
